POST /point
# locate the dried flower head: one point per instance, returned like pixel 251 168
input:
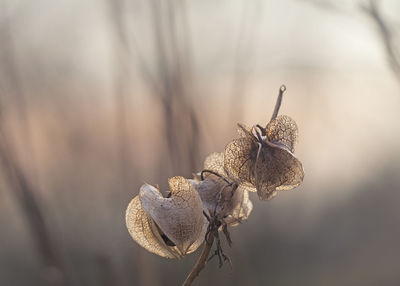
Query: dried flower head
pixel 170 227
pixel 221 196
pixel 262 158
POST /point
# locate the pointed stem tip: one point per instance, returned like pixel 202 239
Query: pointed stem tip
pixel 282 89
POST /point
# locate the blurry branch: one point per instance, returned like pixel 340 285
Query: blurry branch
pixel 24 194
pixel 328 5
pixel 121 74
pixel 126 45
pixel 125 50
pixel 171 83
pixel 174 74
pixel 386 34
pixel 10 78
pixel 245 49
pixel 20 187
pixel 386 31
pixel 122 58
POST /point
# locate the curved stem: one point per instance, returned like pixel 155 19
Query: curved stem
pixel 214 173
pixel 201 263
pixel 262 129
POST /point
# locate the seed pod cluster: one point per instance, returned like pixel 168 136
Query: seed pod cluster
pixel 261 160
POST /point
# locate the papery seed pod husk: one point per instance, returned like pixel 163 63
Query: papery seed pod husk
pixel 276 169
pixel 220 197
pixel 215 192
pixel 239 158
pixel 283 131
pixel 242 210
pixel 170 227
pixel 215 162
pixel 270 169
pixel 230 205
pixel 208 190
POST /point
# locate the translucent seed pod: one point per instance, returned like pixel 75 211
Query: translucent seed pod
pixel 265 162
pixel 170 227
pixel 220 195
pixel 283 131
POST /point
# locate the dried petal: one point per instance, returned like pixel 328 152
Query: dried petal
pixel 215 191
pixel 242 209
pixel 170 227
pixel 200 238
pixel 226 202
pixel 239 159
pixel 180 217
pixel 209 191
pixel 283 131
pixel 248 187
pixel 220 195
pixel 276 169
pixel 143 230
pixel 215 162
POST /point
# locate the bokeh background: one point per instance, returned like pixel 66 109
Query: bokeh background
pixel 98 97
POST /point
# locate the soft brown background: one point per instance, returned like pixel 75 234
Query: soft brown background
pixel 98 97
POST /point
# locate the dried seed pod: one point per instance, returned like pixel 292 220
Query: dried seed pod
pixel 276 169
pixel 265 160
pixel 242 209
pixel 170 227
pixel 240 156
pixel 221 197
pixel 215 162
pixel 283 131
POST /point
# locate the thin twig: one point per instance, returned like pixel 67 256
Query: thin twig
pixel 201 263
pixel 282 89
pixel 25 195
pixel 386 33
pixel 214 173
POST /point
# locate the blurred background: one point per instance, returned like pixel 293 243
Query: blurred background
pixel 98 97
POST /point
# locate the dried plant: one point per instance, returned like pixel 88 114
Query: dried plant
pixel 197 210
pixel 262 159
pixel 170 227
pixel 222 198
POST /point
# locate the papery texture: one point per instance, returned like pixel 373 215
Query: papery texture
pixel 142 229
pixel 220 194
pixel 180 217
pixel 283 130
pixel 170 227
pixel 265 163
pixel 276 169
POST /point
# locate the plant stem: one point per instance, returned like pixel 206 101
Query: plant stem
pixel 282 89
pixel 201 263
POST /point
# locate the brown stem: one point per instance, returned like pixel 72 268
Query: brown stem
pixel 214 173
pixel 282 89
pixel 201 263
